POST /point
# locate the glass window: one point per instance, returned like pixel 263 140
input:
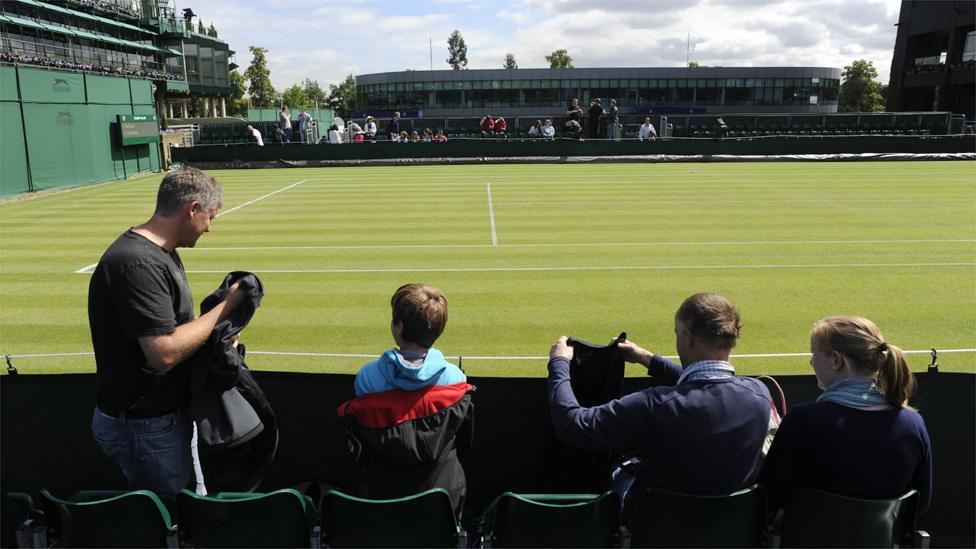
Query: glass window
pixel 614 83
pixel 604 83
pixel 428 86
pixel 506 84
pixel 969 49
pixel 476 85
pixel 496 84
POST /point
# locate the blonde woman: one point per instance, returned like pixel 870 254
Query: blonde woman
pixel 860 438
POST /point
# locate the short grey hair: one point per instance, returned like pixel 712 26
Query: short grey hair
pixel 186 185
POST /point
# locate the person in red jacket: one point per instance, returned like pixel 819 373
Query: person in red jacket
pixel 501 127
pixel 487 126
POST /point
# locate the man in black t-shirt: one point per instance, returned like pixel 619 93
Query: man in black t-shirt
pixel 575 114
pixel 594 113
pixel 140 311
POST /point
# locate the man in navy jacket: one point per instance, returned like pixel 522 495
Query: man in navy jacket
pixel 700 431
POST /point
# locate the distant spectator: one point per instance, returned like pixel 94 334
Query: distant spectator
pixel 404 137
pixel 440 137
pixel 279 136
pixel 574 111
pixel 594 114
pixel 647 130
pixel 428 136
pixel 548 132
pixel 303 119
pixel 284 122
pixel 501 127
pixel 413 410
pixel 721 130
pixel 536 129
pixel 356 132
pixel 487 126
pixel 393 128
pixel 256 135
pixel 414 137
pixel 573 130
pixel 370 128
pixel 613 117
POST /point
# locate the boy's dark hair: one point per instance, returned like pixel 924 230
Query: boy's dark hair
pixel 422 310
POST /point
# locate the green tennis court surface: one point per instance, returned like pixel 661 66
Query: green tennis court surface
pixel 526 253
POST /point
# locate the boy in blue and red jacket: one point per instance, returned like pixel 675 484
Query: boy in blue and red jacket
pixel 412 408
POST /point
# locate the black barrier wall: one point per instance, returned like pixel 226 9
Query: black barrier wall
pixel 502 148
pixel 46 438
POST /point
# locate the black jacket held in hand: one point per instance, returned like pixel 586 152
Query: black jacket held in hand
pixel 596 376
pixel 408 441
pixel 236 427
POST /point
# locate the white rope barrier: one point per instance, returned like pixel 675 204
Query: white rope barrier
pixel 373 355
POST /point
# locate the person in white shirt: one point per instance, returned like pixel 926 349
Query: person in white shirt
pixel 256 135
pixel 647 130
pixel 548 132
pixel 370 128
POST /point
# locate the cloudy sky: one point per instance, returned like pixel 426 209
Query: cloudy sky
pixel 326 39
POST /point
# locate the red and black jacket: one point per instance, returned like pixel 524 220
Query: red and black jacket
pixel 408 441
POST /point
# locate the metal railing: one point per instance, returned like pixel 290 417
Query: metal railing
pixel 80 59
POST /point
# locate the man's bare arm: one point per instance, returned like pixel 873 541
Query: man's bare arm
pixel 166 351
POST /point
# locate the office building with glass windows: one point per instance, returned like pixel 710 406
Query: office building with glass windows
pixel 637 90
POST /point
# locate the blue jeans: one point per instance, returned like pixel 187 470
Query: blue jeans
pixel 158 453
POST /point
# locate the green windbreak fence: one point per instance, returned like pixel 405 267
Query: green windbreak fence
pixel 59 129
pixel 323 116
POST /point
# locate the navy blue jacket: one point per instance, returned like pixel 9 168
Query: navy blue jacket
pixel 700 437
pixel 857 453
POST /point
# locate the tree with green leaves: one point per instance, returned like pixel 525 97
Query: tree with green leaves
pixel 457 51
pixel 693 64
pixel 859 91
pixel 295 97
pixel 560 59
pixel 342 97
pixel 260 90
pixel 316 95
pixel 238 103
pixel 510 62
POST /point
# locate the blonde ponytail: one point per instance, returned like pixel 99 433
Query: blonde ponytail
pixel 895 380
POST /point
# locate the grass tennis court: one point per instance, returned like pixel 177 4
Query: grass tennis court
pixel 526 253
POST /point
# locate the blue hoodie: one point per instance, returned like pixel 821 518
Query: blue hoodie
pixel 392 371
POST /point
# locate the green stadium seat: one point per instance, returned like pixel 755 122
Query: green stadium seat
pixel 669 519
pixel 17 516
pixel 283 518
pixel 421 520
pixel 553 520
pixel 814 518
pixel 122 519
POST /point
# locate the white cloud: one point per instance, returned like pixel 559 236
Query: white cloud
pixel 326 40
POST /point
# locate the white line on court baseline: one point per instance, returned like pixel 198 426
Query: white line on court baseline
pixel 249 202
pixel 594 268
pixel 586 202
pixel 576 245
pixel 491 217
pixel 364 355
pixel 85 270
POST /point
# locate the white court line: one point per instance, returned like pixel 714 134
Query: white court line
pixel 576 245
pixel 594 268
pixel 586 202
pixel 365 355
pixel 85 270
pixel 491 217
pixel 249 202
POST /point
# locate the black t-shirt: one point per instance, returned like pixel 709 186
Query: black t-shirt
pixel 574 112
pixel 595 112
pixel 138 289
